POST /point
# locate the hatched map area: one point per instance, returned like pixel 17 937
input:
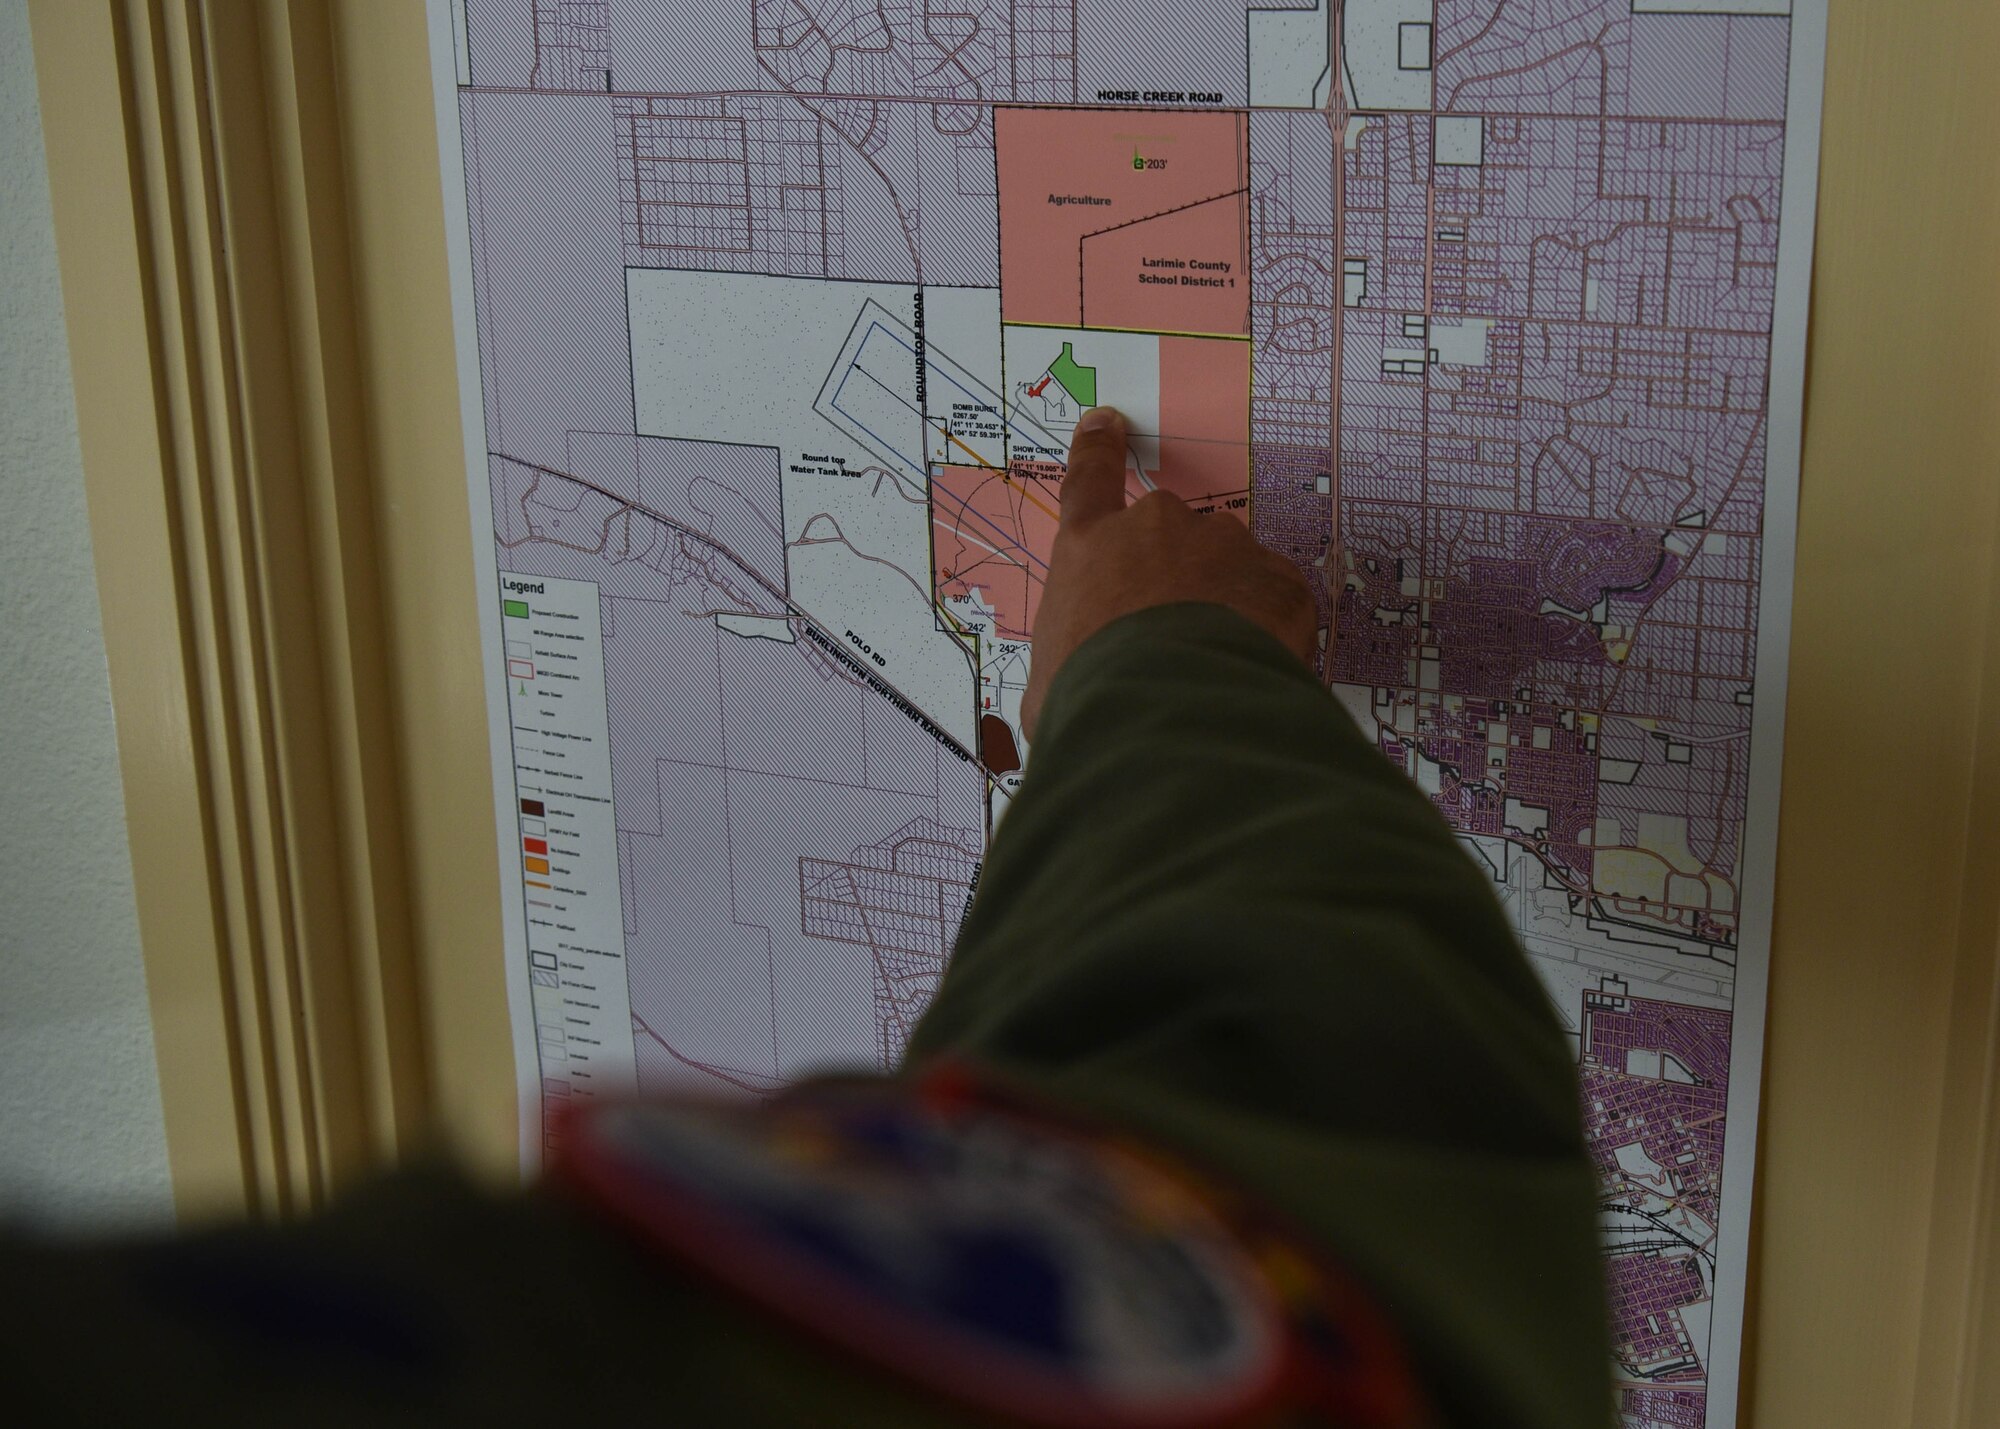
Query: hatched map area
pixel 776 317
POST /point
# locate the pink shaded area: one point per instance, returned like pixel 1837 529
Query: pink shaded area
pixel 1121 290
pixel 1071 153
pixel 1205 422
pixel 992 531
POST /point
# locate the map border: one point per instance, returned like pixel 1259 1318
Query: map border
pixel 1784 448
pixel 447 55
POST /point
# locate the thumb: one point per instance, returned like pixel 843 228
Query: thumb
pixel 1095 483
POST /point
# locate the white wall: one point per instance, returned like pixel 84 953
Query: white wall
pixel 81 1143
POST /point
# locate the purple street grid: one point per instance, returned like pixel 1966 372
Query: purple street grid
pixel 1663 1408
pixel 572 44
pixel 1294 328
pixel 1656 1077
pixel 902 900
pixel 1548 560
pixel 1510 417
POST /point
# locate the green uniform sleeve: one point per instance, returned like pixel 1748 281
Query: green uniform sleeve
pixel 416 1301
pixel 1217 915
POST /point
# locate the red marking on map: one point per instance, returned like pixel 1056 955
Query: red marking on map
pixel 997 749
pixel 1068 186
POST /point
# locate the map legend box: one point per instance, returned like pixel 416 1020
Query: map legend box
pixel 569 837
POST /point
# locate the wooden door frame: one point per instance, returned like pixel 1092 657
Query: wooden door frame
pixel 199 199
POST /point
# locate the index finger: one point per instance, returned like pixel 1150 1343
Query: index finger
pixel 1094 485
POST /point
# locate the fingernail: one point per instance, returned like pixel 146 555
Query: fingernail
pixel 1098 418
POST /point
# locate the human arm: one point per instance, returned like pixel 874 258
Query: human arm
pixel 1216 914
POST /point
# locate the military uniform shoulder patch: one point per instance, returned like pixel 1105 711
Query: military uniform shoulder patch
pixel 1018 1265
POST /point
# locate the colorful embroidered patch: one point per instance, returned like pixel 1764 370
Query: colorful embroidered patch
pixel 1015 1265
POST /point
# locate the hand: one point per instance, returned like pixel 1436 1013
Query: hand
pixel 1111 559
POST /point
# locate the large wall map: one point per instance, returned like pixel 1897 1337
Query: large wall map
pixel 776 318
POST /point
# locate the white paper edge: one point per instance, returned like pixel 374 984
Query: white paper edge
pixel 486 570
pixel 1784 444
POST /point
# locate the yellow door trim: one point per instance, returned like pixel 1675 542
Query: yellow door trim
pixel 1876 1184
pixel 1958 1375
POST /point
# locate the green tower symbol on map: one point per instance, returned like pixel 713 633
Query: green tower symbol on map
pixel 1080 382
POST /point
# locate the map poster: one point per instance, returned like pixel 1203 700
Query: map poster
pixel 774 320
